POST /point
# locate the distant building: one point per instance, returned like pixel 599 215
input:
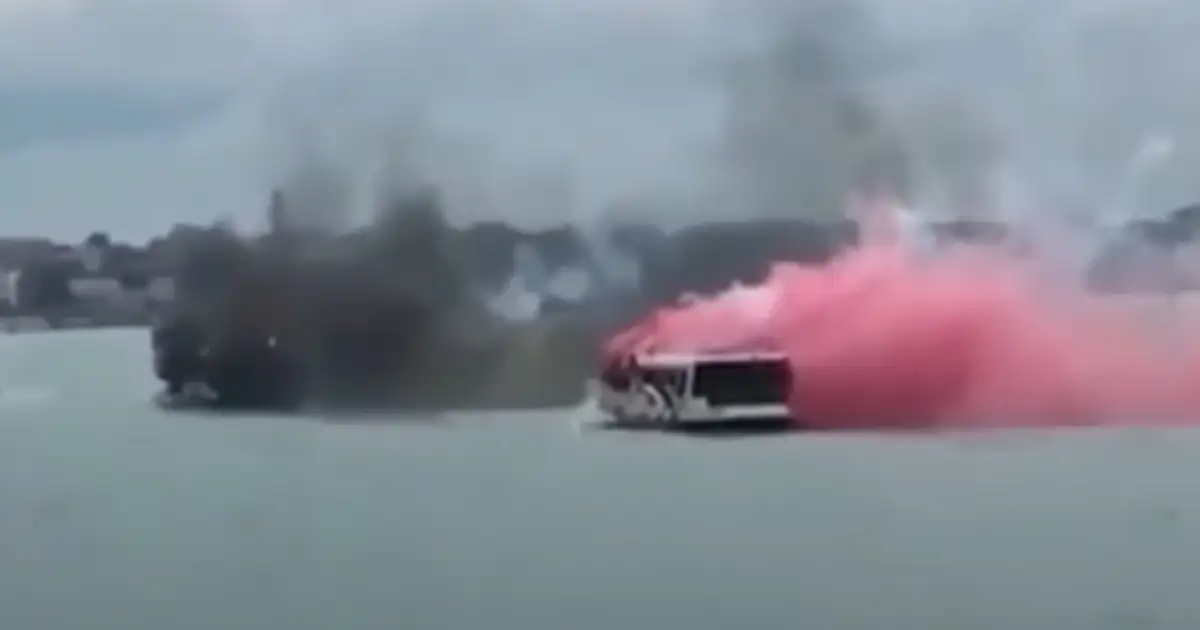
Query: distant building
pixel 15 253
pixel 92 258
pixel 95 282
pixel 43 284
pixel 86 287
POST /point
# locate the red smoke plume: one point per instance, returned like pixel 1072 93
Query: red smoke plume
pixel 881 339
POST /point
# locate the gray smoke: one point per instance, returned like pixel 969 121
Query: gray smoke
pixel 945 97
pixel 988 108
pixel 1004 109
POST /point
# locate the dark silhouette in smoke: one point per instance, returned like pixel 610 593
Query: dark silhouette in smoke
pixel 395 313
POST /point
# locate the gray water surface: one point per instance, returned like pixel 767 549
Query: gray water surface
pixel 117 516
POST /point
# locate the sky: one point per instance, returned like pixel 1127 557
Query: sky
pixel 133 115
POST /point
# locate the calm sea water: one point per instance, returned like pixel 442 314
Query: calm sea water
pixel 114 515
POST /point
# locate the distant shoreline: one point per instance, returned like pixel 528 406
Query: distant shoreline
pixel 15 325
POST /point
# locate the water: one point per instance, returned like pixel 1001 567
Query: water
pixel 115 515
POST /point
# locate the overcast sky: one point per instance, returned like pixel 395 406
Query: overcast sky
pixel 132 115
pixel 135 114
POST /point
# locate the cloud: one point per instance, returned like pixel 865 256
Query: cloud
pixel 135 114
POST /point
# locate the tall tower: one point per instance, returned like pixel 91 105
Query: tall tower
pixel 277 220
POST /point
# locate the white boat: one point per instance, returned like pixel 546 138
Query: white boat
pixel 691 389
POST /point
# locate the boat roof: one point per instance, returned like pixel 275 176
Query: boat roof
pixel 665 359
